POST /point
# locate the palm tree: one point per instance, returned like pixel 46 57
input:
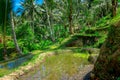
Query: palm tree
pixel 14 35
pixel 4 11
pixel 48 8
pixel 29 8
pixel 28 12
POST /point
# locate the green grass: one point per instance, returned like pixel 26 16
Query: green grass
pixel 66 63
pixel 5 72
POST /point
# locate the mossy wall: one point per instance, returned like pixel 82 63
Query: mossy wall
pixel 107 66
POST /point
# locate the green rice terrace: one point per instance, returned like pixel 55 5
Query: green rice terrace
pixel 59 39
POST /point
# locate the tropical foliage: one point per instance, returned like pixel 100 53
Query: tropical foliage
pixel 61 23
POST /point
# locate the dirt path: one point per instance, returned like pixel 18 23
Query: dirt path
pixel 35 75
pixel 83 72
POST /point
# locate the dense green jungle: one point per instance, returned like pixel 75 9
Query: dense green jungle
pixel 59 39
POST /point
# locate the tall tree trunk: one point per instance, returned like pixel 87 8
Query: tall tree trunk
pixel 114 7
pixel 49 23
pixel 4 31
pixel 70 16
pixel 14 35
pixel 32 18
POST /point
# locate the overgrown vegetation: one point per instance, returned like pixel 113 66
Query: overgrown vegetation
pixel 53 25
pixel 39 26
